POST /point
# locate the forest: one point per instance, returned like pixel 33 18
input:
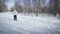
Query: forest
pixel 33 6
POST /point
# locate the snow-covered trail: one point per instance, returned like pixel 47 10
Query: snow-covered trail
pixel 28 24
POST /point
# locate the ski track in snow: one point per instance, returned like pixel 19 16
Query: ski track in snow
pixel 28 24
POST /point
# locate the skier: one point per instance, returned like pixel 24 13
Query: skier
pixel 15 15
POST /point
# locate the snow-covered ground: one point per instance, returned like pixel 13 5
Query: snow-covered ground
pixel 28 24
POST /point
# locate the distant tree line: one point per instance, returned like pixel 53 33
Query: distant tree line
pixel 35 6
pixel 42 6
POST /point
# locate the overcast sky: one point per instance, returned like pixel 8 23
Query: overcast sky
pixel 10 3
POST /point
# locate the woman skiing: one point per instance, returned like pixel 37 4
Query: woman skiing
pixel 15 15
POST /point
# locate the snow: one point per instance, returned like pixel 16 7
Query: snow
pixel 25 24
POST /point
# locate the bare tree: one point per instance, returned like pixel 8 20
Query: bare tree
pixel 2 6
pixel 18 7
pixel 26 6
